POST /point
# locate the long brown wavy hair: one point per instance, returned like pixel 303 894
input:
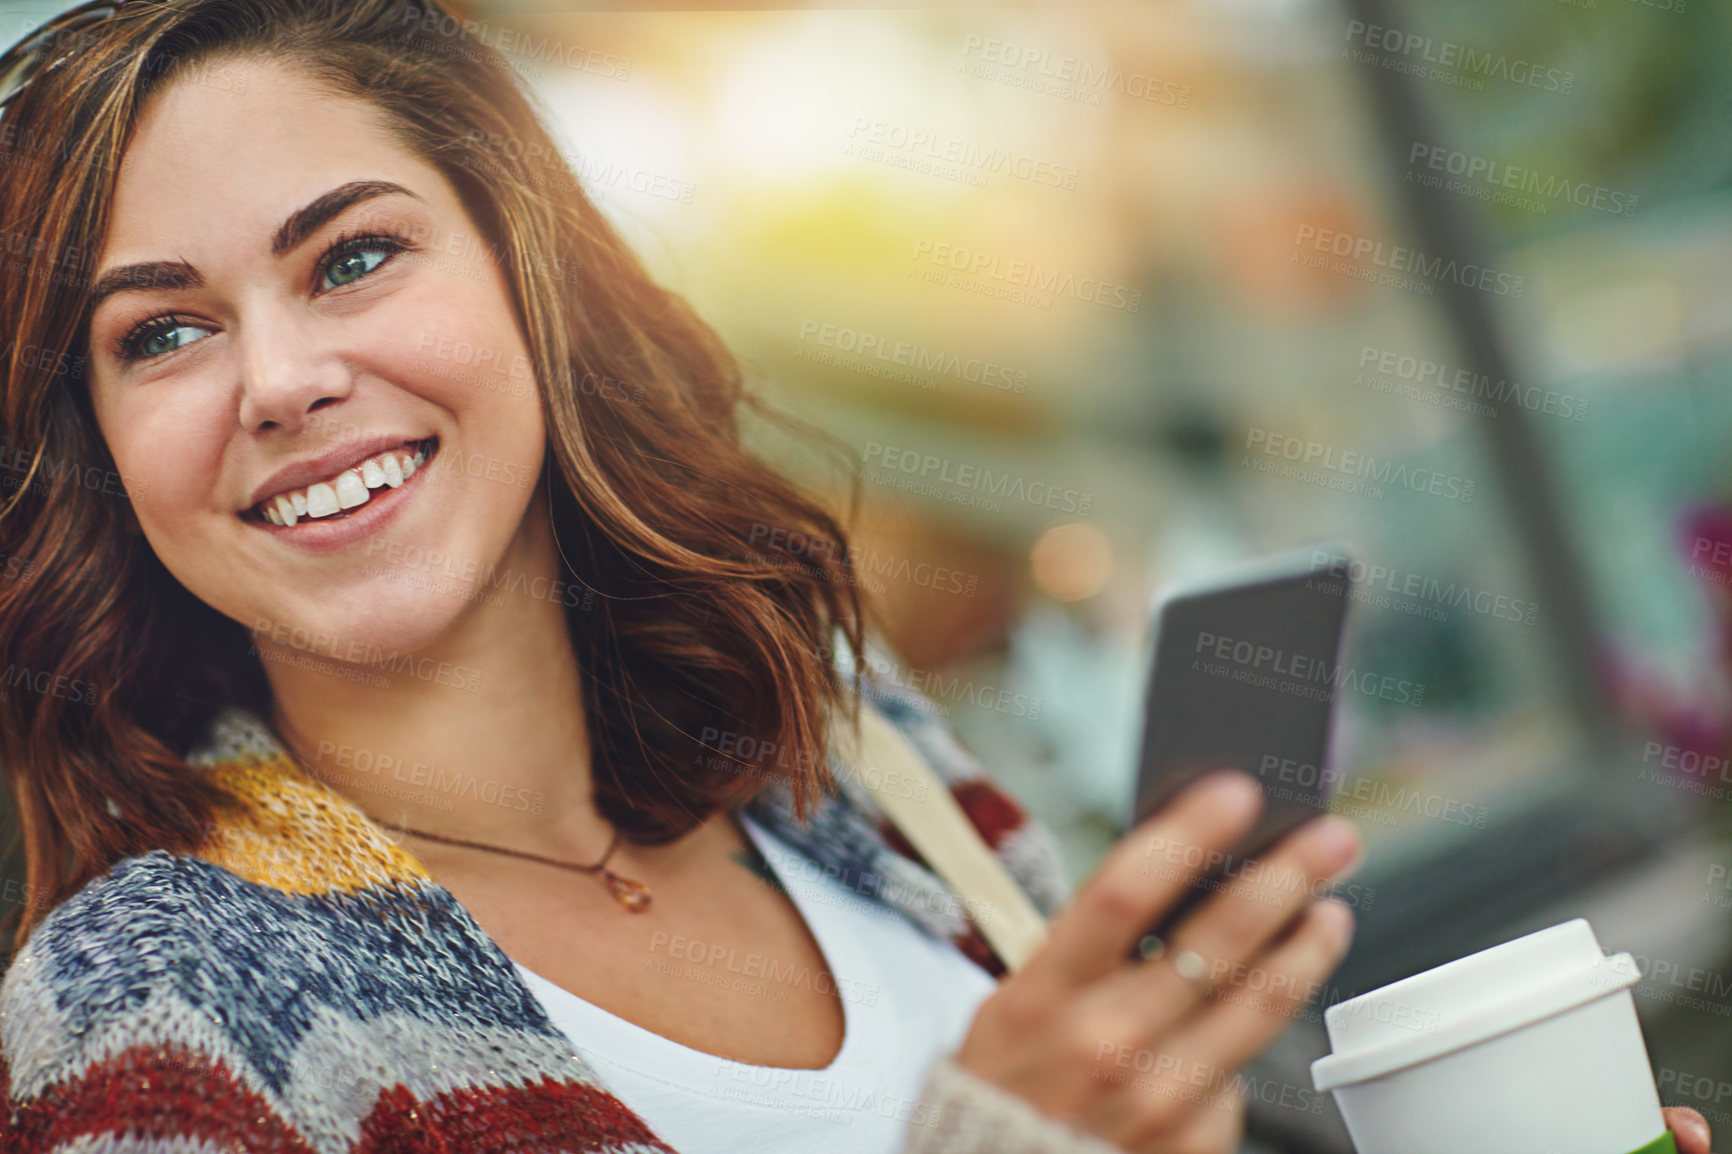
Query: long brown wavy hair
pixel 113 668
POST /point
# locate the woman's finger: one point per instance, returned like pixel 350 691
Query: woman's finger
pixel 1205 1050
pixel 1260 1000
pixel 1114 908
pixel 1255 906
pixel 1222 935
pixel 1689 1128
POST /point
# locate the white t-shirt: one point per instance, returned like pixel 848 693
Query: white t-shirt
pixel 907 999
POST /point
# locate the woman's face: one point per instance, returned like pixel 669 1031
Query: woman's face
pixel 253 361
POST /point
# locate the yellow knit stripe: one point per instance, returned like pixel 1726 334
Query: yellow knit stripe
pixel 294 834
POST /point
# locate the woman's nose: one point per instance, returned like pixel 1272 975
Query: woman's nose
pixel 287 367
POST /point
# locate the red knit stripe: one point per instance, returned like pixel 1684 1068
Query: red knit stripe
pixel 180 1094
pixel 894 839
pixel 994 813
pixel 490 1119
pixel 974 947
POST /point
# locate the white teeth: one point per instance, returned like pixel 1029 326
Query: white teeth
pixel 351 490
pixel 321 500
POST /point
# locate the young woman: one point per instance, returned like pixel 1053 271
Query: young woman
pixel 355 469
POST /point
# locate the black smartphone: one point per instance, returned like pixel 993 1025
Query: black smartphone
pixel 1243 673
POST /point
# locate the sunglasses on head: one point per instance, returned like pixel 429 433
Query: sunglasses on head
pixel 21 63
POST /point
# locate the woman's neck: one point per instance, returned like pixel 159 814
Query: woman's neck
pixel 481 736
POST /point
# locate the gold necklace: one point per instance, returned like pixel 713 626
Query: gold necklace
pixel 632 894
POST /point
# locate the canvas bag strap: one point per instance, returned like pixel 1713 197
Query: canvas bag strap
pixel 922 807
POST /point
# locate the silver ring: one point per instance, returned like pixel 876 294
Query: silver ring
pixel 1192 967
pixel 1187 963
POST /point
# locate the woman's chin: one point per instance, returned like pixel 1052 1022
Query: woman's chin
pixel 365 624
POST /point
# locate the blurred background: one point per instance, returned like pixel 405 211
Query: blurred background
pixel 1108 295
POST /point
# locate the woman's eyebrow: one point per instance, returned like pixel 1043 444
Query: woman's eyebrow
pixel 302 223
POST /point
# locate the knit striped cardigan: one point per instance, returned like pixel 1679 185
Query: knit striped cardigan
pixel 300 983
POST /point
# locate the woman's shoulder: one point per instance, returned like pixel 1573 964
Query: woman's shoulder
pixel 199 948
pixel 89 984
pixel 270 1016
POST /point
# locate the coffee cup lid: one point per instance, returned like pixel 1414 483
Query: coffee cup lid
pixel 1468 1001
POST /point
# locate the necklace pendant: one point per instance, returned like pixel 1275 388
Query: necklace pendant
pixel 634 896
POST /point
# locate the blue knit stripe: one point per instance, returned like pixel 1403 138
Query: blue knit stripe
pixel 163 923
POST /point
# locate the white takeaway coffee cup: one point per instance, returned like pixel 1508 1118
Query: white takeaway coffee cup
pixel 1531 1047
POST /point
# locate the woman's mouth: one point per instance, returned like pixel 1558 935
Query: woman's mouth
pixel 346 492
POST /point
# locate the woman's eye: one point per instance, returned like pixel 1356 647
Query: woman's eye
pixel 168 340
pixel 352 266
pixel 147 342
pixel 168 333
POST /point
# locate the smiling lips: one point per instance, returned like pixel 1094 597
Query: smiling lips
pixel 348 489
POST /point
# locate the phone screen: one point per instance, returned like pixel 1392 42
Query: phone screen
pixel 1245 675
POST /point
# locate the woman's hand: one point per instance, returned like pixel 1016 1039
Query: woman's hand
pixel 1689 1128
pixel 1140 1054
